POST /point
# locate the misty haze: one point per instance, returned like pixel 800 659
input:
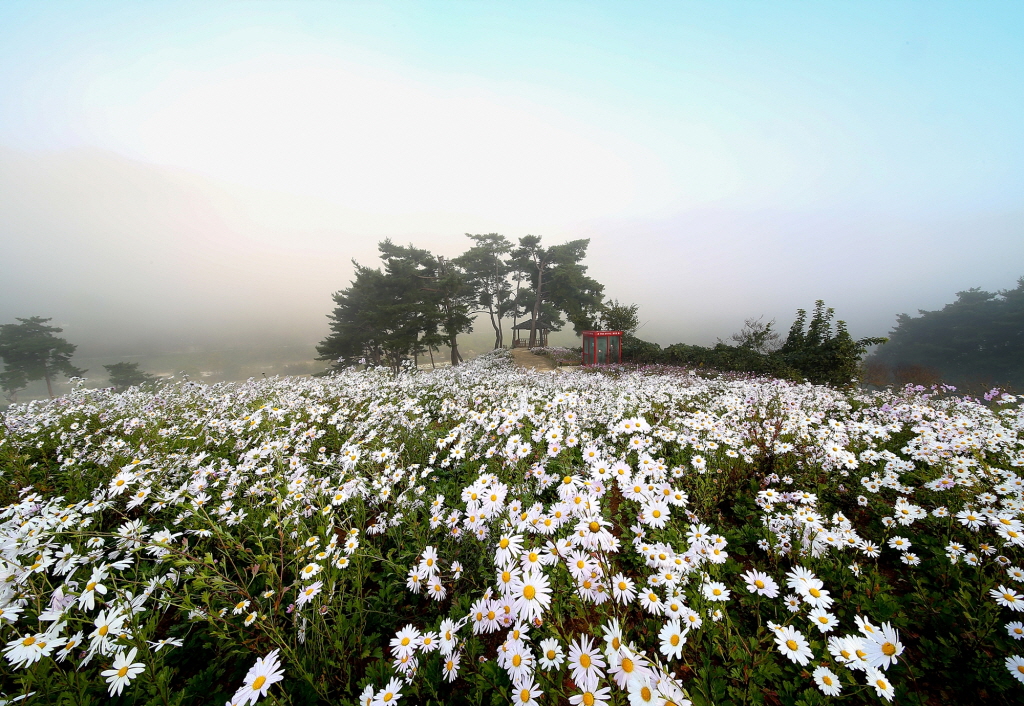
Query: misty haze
pixel 190 203
pixel 602 353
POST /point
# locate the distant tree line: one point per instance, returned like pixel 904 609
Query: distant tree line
pixel 976 341
pixel 818 351
pixel 417 301
pixel 30 351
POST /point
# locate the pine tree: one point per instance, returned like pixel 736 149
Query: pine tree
pixel 377 320
pixel 557 278
pixel 486 268
pixel 417 303
pixel 30 352
pixel 437 289
pixel 125 375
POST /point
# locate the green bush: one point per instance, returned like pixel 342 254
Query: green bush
pixel 816 355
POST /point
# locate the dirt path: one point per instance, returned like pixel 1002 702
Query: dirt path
pixel 525 359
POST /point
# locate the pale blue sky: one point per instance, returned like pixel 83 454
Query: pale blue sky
pixel 754 150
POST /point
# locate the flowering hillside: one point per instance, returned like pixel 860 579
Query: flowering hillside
pixel 485 534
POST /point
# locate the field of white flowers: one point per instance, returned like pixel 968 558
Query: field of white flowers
pixel 491 535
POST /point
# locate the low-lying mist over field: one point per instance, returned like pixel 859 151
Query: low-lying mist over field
pixel 155 265
pixel 187 189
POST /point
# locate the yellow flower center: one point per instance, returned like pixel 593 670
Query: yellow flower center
pixel 550 654
pixel 595 527
pixel 888 649
pixel 815 592
pixel 826 680
pixel 104 629
pixel 627 665
pixel 28 641
pixel 405 641
pixel 588 699
pixel 585 660
pixel 506 576
pixel 529 592
pixel 388 696
pixel 674 640
pixel 124 670
pixel 645 693
pixel 259 682
pixel 524 696
pixel 89 586
pixel 503 543
pixel 791 644
pixel 759 583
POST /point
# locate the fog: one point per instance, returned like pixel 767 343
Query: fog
pixel 190 199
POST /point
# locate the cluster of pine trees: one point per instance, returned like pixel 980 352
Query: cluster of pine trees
pixel 417 302
pixel 30 351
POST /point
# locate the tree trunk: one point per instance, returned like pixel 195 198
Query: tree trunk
pixel 515 304
pixel 536 306
pixel 455 351
pixel 49 385
pixel 499 341
pixel 430 349
pixel 497 328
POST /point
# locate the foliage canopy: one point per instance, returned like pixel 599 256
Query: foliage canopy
pixel 420 301
pixel 978 337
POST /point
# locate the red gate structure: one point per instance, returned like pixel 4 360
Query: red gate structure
pixel 602 347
